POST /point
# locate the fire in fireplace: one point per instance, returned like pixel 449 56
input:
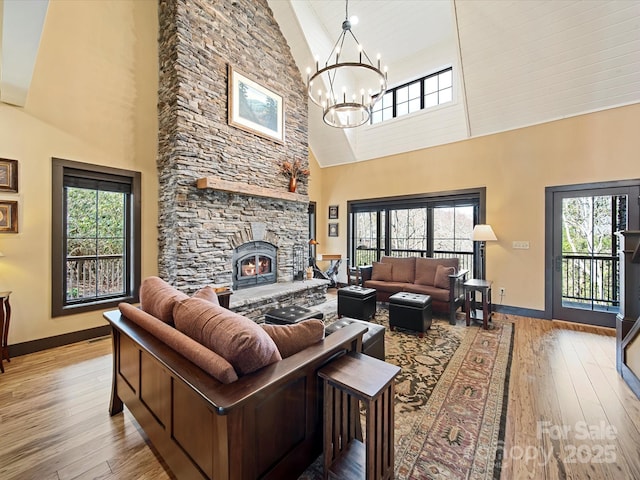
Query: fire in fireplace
pixel 254 263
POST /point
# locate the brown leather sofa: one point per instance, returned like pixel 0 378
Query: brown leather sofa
pixel 263 424
pixel 440 278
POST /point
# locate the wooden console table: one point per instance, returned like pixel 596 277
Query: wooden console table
pixel 5 319
pixel 349 380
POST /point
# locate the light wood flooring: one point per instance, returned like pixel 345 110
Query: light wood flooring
pixel 569 416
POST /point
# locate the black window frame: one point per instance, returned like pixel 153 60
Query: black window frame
pixel 394 100
pixel 471 196
pixel 84 172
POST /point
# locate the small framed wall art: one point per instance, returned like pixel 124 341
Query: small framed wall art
pixel 8 216
pixel 8 175
pixel 255 108
pixel 333 211
pixel 333 229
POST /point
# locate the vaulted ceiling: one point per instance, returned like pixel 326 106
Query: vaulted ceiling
pixel 516 63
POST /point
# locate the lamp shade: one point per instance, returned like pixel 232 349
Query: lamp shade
pixel 483 233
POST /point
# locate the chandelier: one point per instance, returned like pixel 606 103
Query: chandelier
pixel 349 84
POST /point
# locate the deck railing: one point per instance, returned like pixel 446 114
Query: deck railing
pixel 366 256
pixel 91 277
pixel 590 282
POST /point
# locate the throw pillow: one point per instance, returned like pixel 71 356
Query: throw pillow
pixel 207 293
pixel 442 276
pixel 235 338
pixel 157 298
pixel 291 339
pixel 208 360
pixel 382 271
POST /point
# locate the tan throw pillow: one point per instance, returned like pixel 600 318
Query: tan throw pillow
pixel 207 293
pixel 442 276
pixel 291 339
pixel 157 298
pixel 235 338
pixel 381 271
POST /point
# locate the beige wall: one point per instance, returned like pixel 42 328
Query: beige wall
pixel 515 167
pixel 92 99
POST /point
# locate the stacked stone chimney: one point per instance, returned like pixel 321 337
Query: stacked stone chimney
pixel 198 228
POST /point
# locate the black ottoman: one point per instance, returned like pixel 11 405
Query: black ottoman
pixel 289 315
pixel 357 302
pixel 372 340
pixel 411 311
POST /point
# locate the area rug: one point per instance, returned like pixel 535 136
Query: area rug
pixel 451 400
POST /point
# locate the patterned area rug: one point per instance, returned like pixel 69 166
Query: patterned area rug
pixel 450 400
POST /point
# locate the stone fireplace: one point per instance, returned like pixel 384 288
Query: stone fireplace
pixel 220 186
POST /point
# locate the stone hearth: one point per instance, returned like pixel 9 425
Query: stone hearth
pixel 255 302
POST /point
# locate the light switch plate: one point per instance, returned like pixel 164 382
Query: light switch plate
pixel 521 244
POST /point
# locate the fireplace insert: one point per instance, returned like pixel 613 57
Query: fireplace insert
pixel 254 263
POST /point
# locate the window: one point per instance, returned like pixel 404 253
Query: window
pixel 429 91
pixel 95 237
pixel 435 225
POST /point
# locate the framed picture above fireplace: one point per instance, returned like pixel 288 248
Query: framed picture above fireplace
pixel 255 108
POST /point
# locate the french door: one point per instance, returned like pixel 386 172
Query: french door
pixel 584 266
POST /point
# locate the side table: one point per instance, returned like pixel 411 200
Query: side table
pixel 349 380
pixel 5 319
pixel 470 288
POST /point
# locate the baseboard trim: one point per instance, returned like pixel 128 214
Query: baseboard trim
pixel 33 346
pixel 523 312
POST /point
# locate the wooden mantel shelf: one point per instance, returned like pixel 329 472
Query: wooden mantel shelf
pixel 254 190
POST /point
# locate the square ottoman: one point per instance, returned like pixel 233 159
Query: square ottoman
pixel 411 311
pixel 289 315
pixel 357 302
pixel 372 340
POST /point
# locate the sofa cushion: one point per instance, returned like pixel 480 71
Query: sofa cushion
pixel 157 298
pixel 237 339
pixel 404 269
pixel 381 286
pixel 206 359
pixel 439 294
pixel 426 271
pixel 442 276
pixel 291 339
pixel 382 272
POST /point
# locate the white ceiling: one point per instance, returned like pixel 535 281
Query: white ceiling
pixel 516 63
